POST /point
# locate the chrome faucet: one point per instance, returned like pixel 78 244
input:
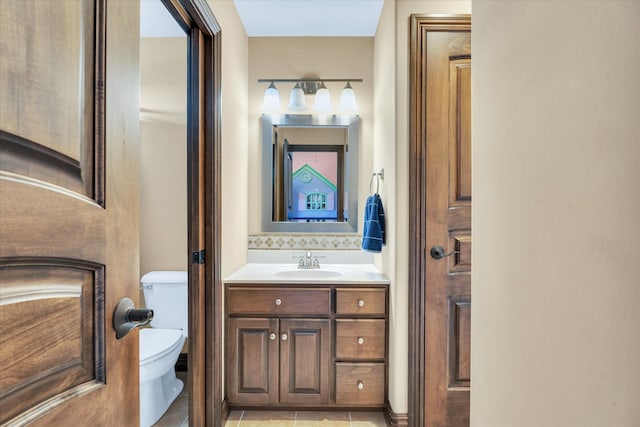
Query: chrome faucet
pixel 308 262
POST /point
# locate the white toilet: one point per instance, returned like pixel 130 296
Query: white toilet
pixel 166 293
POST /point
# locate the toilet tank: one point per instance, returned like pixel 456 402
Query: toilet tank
pixel 166 293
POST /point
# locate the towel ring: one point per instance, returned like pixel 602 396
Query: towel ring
pixel 378 176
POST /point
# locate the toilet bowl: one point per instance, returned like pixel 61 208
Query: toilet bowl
pixel 166 293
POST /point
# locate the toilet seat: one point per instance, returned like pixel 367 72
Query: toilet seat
pixel 157 343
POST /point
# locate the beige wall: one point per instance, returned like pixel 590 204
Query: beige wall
pixel 556 214
pixel 297 57
pixel 235 148
pixel 163 223
pixel 391 152
pixel 163 155
pixel 384 157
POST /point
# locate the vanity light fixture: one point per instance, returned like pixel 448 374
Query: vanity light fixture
pixel 271 101
pixel 310 86
pixel 296 99
pixel 322 103
pixel 348 102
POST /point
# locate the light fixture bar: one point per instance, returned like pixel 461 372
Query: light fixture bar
pixel 307 80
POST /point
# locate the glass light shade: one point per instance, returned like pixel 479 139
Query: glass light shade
pixel 271 102
pixel 348 102
pixel 296 99
pixel 322 103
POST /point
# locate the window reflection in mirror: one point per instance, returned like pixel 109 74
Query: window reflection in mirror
pixel 312 187
pixel 309 171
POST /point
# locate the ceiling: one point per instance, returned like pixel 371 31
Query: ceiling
pixel 309 18
pixel 280 18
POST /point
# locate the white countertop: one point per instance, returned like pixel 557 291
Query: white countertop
pixel 289 273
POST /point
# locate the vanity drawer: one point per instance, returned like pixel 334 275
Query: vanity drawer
pixel 360 339
pixel 361 301
pixel 360 383
pixel 279 301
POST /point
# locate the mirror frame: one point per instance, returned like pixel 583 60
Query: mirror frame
pixel 352 126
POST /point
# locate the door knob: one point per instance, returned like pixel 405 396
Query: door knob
pixel 126 318
pixel 438 252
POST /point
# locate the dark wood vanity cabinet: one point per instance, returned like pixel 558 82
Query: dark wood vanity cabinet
pixel 274 361
pixel 361 345
pixel 308 345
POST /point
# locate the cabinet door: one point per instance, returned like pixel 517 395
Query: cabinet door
pixel 252 354
pixel 305 356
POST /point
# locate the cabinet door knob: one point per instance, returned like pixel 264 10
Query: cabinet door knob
pixel 272 336
pixel 360 385
pixel 284 337
pixel 360 340
pixel 278 301
pixel 360 303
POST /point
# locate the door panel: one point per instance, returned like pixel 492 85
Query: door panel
pixel 69 248
pixel 304 354
pixel 49 60
pixel 459 342
pixel 252 372
pixel 460 132
pixel 40 362
pixel 441 216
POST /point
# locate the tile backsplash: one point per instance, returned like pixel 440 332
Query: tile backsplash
pixel 302 241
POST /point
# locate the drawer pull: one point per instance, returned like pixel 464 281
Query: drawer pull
pixel 272 336
pixel 360 303
pixel 278 301
pixel 284 337
pixel 360 385
pixel 360 340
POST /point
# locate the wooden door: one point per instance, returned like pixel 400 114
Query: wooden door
pixel 252 355
pixel 440 176
pixel 69 211
pixel 304 361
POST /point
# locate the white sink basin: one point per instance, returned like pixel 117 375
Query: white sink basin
pixel 308 274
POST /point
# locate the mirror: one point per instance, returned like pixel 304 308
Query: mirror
pixel 310 173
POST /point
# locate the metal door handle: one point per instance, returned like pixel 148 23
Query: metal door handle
pixel 438 252
pixel 126 318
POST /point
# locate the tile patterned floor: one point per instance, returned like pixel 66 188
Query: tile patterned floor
pixel 305 419
pixel 177 416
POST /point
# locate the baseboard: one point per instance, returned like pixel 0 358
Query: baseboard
pixel 393 419
pixel 224 411
pixel 182 363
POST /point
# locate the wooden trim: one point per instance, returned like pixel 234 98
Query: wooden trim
pixel 204 194
pixel 417 250
pixel 213 228
pixel 393 419
pixel 419 24
pixel 100 103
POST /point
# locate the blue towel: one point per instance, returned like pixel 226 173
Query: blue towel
pixel 373 235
